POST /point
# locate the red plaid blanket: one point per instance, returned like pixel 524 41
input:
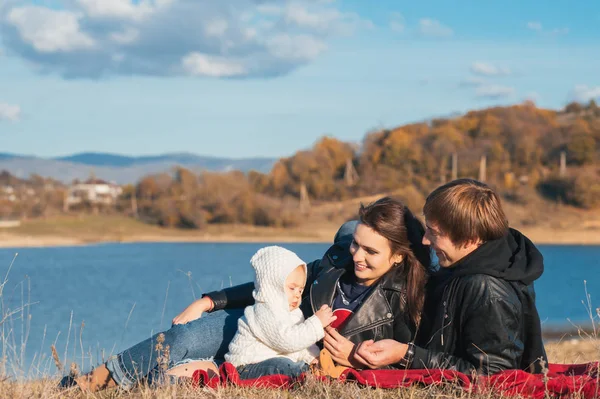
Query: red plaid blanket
pixel 561 380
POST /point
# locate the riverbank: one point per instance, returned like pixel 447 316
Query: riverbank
pixel 542 222
pixel 87 230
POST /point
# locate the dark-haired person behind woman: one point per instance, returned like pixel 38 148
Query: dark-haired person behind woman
pixel 373 277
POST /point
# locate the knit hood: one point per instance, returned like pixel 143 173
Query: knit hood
pixel 272 265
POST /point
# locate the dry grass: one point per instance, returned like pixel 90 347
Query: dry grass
pixel 586 348
pixel 572 351
pixel 311 389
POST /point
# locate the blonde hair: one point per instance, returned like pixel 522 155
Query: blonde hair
pixel 466 210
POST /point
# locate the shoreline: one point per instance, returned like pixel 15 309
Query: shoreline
pixel 252 234
pixel 9 240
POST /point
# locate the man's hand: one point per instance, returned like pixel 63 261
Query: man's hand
pixel 340 348
pixel 381 353
pixel 194 311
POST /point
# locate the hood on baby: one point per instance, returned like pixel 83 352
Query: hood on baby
pixel 272 265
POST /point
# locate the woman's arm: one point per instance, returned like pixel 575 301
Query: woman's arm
pixel 194 311
pixel 240 296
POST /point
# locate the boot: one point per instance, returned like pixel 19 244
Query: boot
pixel 96 380
pixel 327 366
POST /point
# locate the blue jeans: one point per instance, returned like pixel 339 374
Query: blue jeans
pixel 274 365
pixel 205 338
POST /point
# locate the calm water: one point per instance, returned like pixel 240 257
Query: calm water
pixel 121 293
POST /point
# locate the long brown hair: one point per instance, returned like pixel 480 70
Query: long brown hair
pixel 391 219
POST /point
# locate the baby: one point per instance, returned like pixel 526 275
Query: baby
pixel 273 337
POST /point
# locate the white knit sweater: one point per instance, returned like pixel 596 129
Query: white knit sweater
pixel 268 328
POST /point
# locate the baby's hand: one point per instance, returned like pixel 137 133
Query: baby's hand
pixel 325 315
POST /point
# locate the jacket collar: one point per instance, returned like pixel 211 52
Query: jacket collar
pixel 375 307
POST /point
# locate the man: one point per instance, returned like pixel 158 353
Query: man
pixel 480 314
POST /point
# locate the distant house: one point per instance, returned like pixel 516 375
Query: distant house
pixel 8 193
pixel 94 192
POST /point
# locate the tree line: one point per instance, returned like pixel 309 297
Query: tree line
pixel 521 150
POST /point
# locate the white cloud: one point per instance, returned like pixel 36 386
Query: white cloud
pixel 300 48
pixel 9 112
pixel 127 36
pixel 397 23
pixel 49 31
pixel 584 93
pixel 486 69
pixel 120 9
pixel 434 28
pixel 472 81
pixel 560 31
pixel 298 15
pixel 204 65
pixel 534 25
pixel 494 91
pixel 216 28
pixel 97 38
pixel 538 27
pixel 323 21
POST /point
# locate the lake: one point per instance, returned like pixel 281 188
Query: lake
pixel 95 300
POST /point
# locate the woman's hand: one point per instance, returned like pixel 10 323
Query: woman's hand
pixel 194 311
pixel 340 348
pixel 381 353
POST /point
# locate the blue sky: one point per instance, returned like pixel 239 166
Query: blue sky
pixel 245 78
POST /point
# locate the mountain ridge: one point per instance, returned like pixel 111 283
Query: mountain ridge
pixel 123 169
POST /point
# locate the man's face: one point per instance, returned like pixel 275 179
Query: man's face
pixel 447 252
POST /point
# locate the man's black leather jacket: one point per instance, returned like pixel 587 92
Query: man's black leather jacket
pixel 480 315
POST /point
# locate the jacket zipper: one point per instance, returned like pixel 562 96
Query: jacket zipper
pixel 445 312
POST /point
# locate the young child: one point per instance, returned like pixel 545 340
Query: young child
pixel 273 337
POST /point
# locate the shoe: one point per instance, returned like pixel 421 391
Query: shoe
pixel 328 366
pixel 67 382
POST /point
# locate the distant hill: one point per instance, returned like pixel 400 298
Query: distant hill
pixel 123 169
pixel 5 155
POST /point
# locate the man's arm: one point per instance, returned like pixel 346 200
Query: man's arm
pixel 488 350
pixel 491 341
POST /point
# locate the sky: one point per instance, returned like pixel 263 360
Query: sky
pixel 249 78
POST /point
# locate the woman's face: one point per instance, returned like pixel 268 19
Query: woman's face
pixel 372 255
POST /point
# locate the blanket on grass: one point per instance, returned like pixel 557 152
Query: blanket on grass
pixel 561 380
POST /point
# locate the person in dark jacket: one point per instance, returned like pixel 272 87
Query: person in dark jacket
pixel 373 277
pixel 480 313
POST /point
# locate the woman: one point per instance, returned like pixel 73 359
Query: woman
pixel 373 278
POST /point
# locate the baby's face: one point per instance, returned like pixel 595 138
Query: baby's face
pixel 294 285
